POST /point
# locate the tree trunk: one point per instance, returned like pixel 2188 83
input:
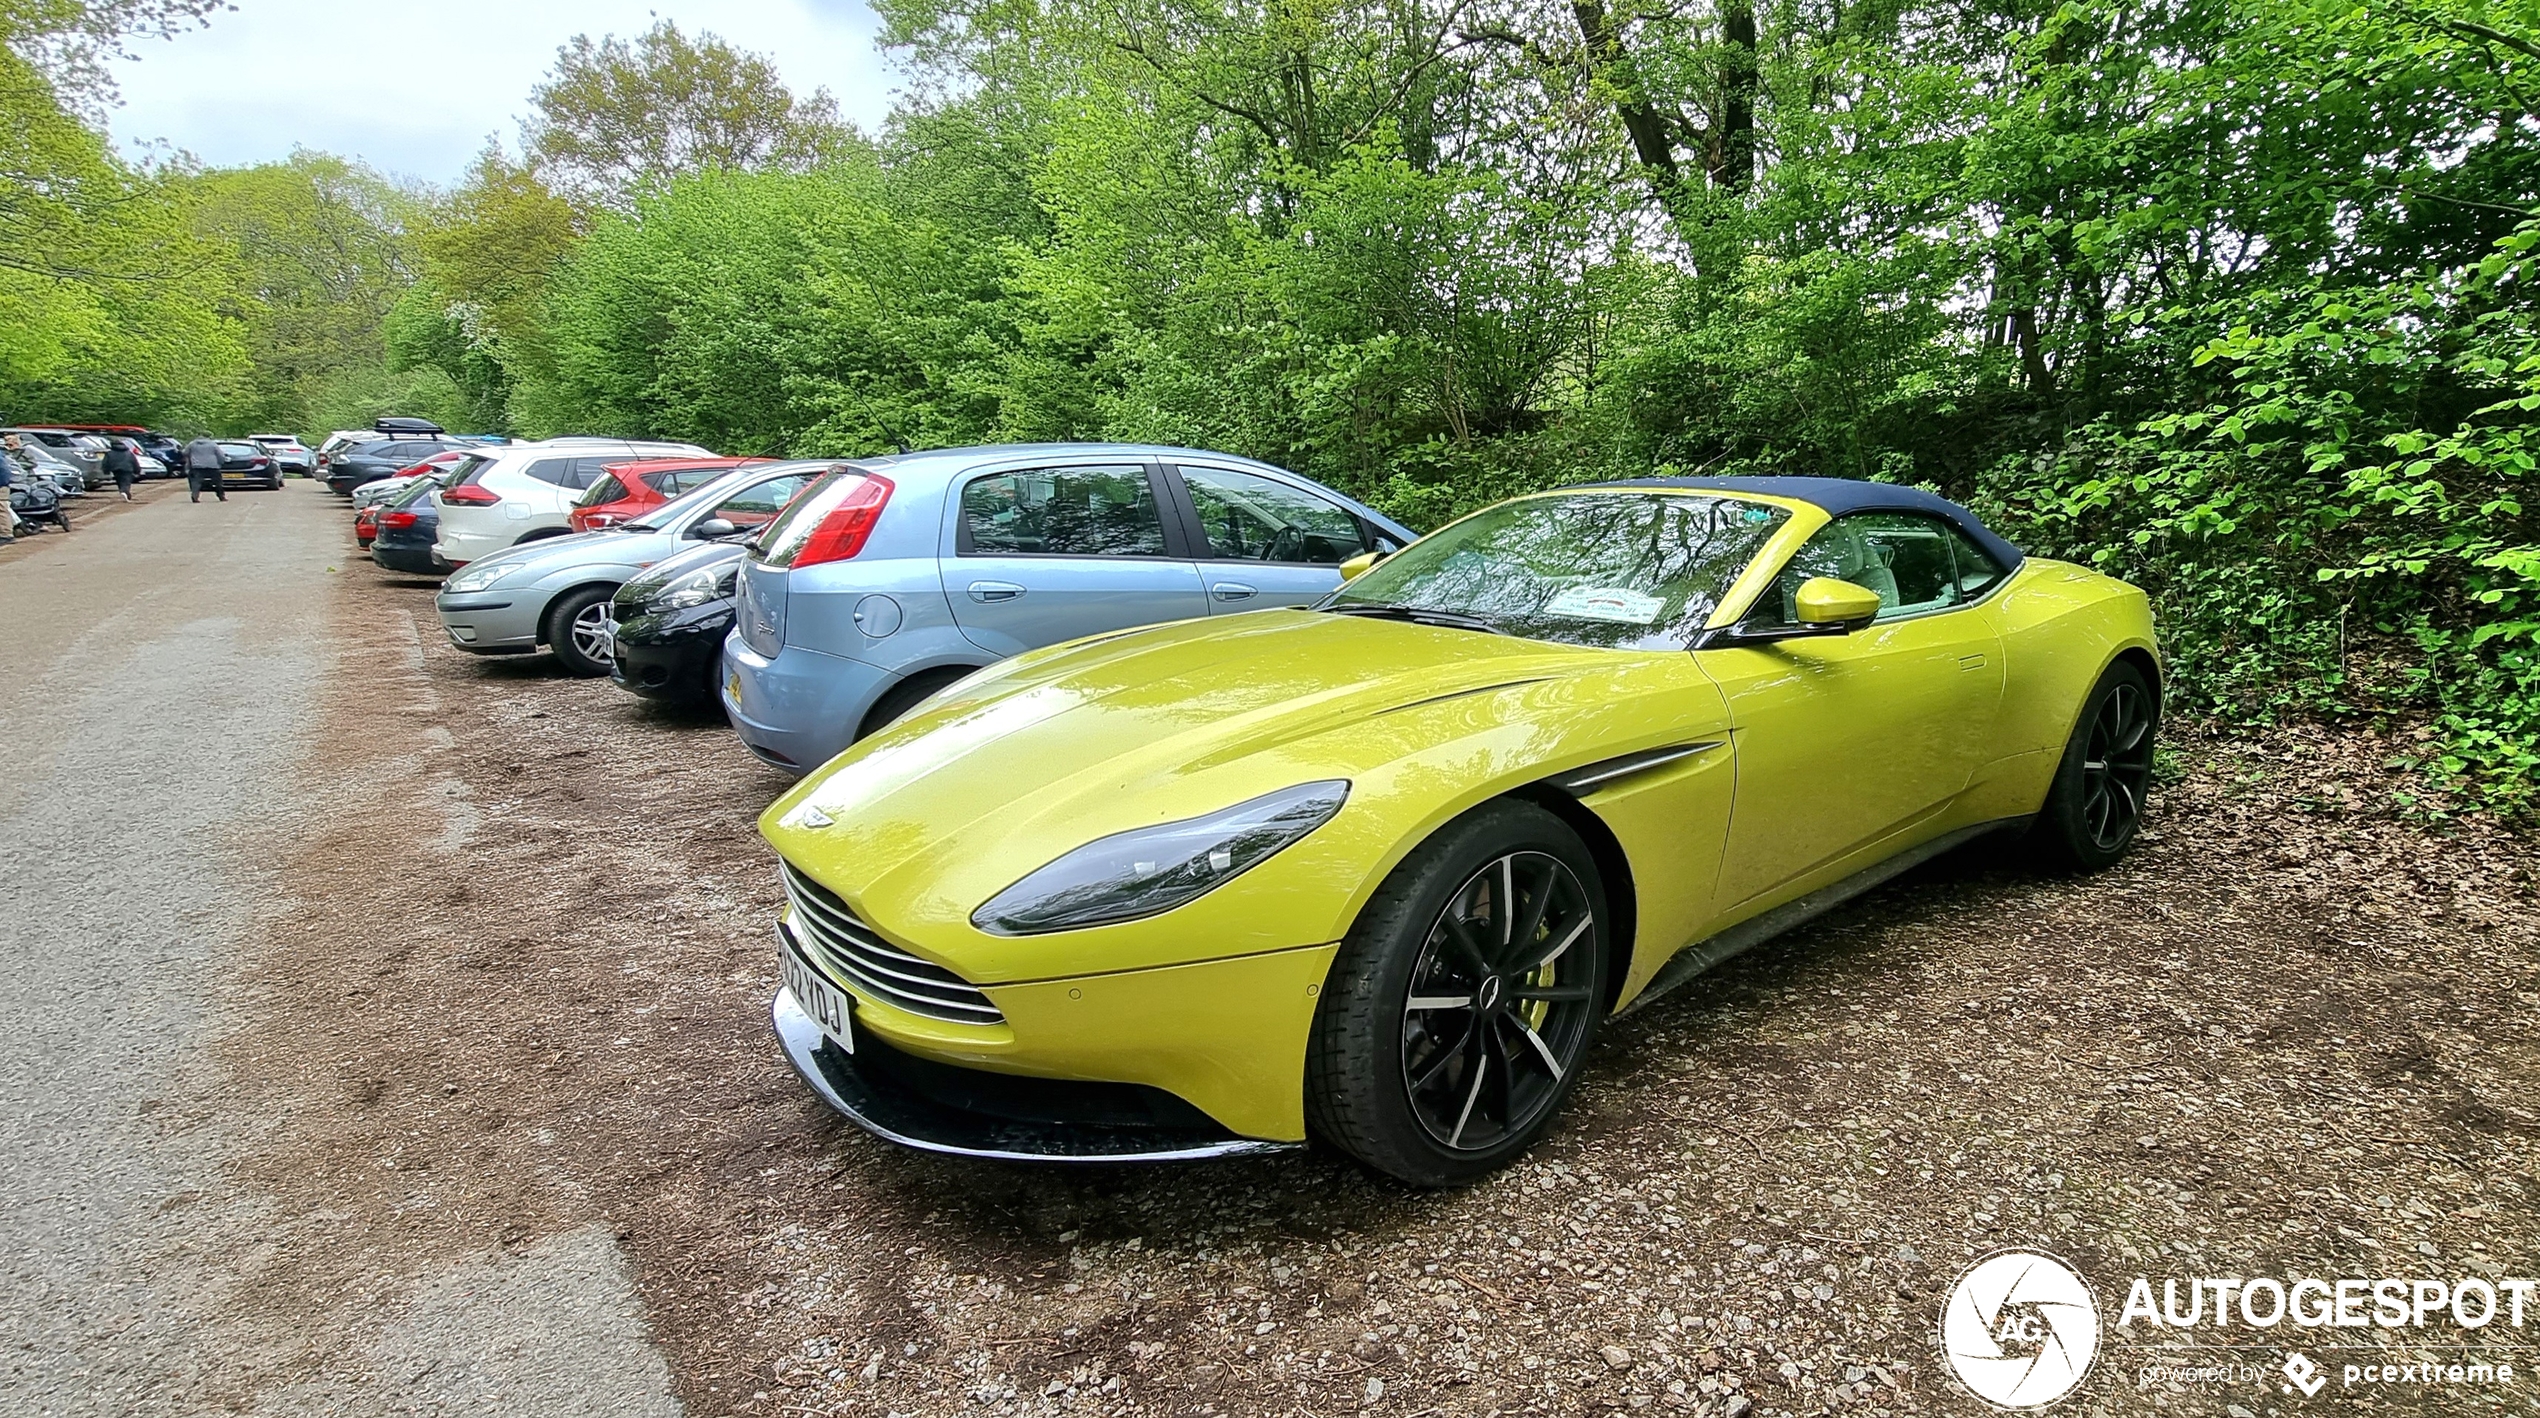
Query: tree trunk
pixel 2041 380
pixel 1733 137
pixel 1652 143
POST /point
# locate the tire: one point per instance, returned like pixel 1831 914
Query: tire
pixel 894 705
pixel 1417 1087
pixel 2096 802
pixel 578 630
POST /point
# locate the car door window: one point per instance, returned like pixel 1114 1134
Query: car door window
pixel 551 470
pixel 1247 517
pixel 1108 510
pixel 757 505
pixel 1976 570
pixel 1907 558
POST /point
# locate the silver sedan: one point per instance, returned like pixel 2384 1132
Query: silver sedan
pixel 555 594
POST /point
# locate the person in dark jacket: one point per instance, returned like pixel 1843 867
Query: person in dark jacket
pixel 122 466
pixel 202 469
pixel 10 454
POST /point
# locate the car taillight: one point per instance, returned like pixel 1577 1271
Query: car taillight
pixel 398 520
pixel 471 495
pixel 843 532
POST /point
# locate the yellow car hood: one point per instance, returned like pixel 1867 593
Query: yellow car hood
pixel 919 824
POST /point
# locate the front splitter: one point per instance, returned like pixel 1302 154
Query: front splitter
pixel 911 1119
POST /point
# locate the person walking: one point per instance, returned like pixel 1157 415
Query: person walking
pixel 122 466
pixel 202 469
pixel 10 453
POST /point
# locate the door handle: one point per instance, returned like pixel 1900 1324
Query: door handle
pixel 1232 591
pixel 985 591
pixel 1971 662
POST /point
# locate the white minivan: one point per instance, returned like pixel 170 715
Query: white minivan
pixel 521 493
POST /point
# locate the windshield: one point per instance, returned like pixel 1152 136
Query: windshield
pixel 1610 570
pixel 669 513
pixel 423 487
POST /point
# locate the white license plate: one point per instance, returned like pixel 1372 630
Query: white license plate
pixel 828 1006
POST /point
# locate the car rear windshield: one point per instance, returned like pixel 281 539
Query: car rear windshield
pixel 1619 570
pixel 420 492
pixel 607 489
pixel 469 469
pixel 784 537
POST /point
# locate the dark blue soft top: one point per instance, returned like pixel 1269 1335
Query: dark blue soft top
pixel 1841 495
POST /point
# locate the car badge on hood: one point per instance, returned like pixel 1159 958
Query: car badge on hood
pixel 809 816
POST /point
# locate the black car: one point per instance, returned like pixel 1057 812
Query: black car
pixel 167 450
pixel 408 526
pixel 244 464
pixel 671 622
pixel 362 463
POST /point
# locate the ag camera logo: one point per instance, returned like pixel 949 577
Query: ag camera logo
pixel 2020 1329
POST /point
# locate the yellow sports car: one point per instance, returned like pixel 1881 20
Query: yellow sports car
pixel 1376 870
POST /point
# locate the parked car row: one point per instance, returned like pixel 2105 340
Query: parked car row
pixel 1163 804
pixel 83 447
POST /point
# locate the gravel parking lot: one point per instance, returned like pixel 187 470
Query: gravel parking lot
pixel 511 1001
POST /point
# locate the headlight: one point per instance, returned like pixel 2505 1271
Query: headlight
pixel 697 588
pixel 475 578
pixel 1150 870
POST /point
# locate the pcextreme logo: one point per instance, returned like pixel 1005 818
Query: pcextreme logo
pixel 2020 1329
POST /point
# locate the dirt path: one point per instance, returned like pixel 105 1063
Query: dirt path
pixel 166 663
pixel 510 1019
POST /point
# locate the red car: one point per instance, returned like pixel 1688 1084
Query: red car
pixel 627 490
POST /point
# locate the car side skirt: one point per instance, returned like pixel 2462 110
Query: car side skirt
pixel 1702 955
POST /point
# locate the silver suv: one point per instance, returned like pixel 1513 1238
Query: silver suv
pixel 890 578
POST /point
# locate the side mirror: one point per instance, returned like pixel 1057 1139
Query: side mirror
pixel 713 529
pixel 1825 601
pixel 1826 607
pixel 1358 565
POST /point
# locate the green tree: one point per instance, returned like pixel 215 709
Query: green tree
pixel 616 118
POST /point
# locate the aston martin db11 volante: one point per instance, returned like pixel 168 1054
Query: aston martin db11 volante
pixel 1375 870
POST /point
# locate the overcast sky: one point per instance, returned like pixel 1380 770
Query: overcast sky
pixel 414 88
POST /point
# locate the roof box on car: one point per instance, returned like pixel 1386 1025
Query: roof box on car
pixel 395 425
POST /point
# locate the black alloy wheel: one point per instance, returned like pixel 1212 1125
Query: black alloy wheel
pixel 1460 1007
pixel 2101 787
pixel 1499 1008
pixel 2116 768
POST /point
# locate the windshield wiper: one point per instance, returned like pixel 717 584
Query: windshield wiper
pixel 1421 615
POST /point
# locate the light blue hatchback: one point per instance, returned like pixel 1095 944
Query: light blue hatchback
pixel 890 578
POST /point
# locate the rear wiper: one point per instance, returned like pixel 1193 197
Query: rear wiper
pixel 1418 614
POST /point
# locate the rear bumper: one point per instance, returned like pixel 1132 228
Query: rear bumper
pixel 970 1113
pixel 397 556
pixel 800 708
pixel 459 542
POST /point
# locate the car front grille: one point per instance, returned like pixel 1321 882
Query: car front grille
pixel 850 950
